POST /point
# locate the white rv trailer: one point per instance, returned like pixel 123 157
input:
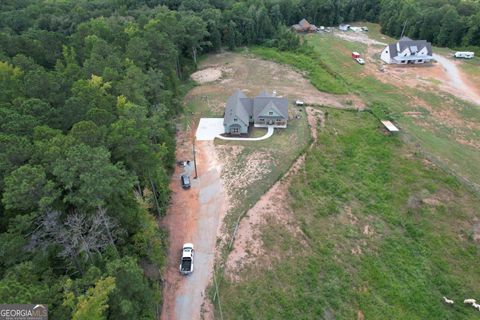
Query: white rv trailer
pixel 464 54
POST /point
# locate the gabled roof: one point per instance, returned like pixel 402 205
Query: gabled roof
pixel 304 23
pixel 392 50
pixel 235 108
pixel 412 45
pixel 261 101
pixel 240 106
pixel 271 106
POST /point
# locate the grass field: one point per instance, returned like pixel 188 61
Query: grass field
pixel 386 232
pixel 386 236
pixel 447 131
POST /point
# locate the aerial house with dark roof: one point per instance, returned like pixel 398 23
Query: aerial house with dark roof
pixel 408 51
pixel 262 111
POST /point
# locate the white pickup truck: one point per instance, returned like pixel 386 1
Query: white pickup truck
pixel 186 264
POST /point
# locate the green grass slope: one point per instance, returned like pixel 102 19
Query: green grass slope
pixel 386 236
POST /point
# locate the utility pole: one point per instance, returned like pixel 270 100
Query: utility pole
pixel 194 159
pixel 403 30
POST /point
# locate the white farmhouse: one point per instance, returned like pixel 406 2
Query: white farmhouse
pixel 407 51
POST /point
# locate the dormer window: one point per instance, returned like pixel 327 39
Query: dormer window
pixel 270 113
pixel 234 119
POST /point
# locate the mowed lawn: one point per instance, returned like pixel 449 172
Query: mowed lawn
pixel 386 234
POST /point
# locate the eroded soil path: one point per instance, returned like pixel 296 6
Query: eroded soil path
pixel 194 216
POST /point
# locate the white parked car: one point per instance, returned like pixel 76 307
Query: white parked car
pixel 360 60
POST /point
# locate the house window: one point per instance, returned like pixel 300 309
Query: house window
pixel 234 119
pixel 420 61
pixel 261 119
pixel 403 61
pixel 235 130
pixel 270 113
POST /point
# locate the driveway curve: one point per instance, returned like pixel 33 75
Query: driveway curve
pixel 266 136
pixel 456 79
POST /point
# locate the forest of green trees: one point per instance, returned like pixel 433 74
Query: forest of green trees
pixel 89 91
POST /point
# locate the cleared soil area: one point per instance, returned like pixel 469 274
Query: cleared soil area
pixel 250 74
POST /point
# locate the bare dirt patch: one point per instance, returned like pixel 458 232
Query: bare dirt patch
pixel 476 232
pixel 441 197
pixel 360 315
pixel 361 37
pixel 248 244
pixel 315 119
pixel 207 75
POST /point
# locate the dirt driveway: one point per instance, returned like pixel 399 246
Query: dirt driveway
pixel 194 216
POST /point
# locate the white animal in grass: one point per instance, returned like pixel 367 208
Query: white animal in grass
pixel 470 301
pixel 447 301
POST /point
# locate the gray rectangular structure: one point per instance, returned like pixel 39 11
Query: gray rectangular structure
pixel 262 111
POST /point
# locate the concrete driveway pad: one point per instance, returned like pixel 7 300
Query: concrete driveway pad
pixel 209 128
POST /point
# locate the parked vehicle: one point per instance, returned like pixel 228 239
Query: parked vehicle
pixel 464 54
pixel 185 181
pixel 186 264
pixel 360 61
pixel 299 103
pixel 355 55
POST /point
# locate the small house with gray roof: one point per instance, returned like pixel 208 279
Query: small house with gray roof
pixel 262 111
pixel 408 51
